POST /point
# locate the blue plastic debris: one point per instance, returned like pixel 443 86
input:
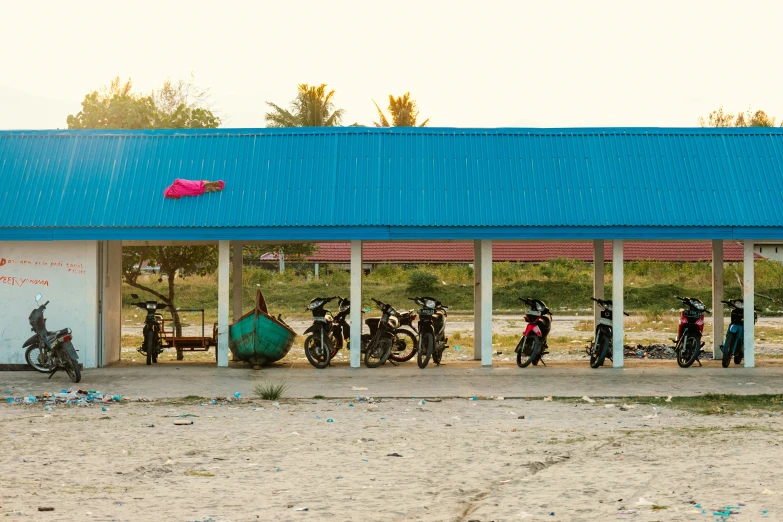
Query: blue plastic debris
pixel 329 420
pixel 237 395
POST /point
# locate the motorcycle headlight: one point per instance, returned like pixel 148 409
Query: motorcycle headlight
pixel 739 304
pixel 314 304
pixel 609 307
pixel 151 306
pixel 699 306
pixel 430 303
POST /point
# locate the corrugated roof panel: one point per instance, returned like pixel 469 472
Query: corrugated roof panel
pixel 430 177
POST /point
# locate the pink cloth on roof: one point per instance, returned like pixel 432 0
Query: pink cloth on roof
pixel 186 187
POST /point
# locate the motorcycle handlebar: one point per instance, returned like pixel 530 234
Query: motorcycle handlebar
pixel 44 305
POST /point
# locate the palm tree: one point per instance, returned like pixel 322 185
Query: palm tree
pixel 403 112
pixel 312 107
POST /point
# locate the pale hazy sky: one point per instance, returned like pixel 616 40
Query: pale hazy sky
pixel 480 63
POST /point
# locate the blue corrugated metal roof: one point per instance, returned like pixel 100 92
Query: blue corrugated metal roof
pixel 399 183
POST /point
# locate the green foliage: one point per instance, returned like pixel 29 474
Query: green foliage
pixel 403 110
pixel 312 107
pixel 422 281
pixel 271 390
pixel 291 251
pixel 720 118
pixel 387 273
pixel 174 106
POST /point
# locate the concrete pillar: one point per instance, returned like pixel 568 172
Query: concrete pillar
pixel 236 295
pixel 317 271
pixel 223 299
pixel 598 275
pixel 717 297
pixel 617 304
pixel 486 303
pixel 477 300
pixel 356 304
pixel 281 256
pixel 112 302
pixel 749 303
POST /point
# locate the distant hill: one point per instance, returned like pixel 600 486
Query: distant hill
pixel 19 110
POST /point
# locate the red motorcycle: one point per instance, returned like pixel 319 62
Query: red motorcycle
pixel 532 347
pixel 688 343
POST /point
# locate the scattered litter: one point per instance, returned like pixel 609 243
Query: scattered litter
pixel 294 433
pixel 422 403
pixel 474 398
pixel 394 455
pixel 668 399
pixel 644 502
pixel 359 388
pixel 147 425
pixel 303 509
pixel 276 404
pixel 183 423
pixel 237 395
pixel 372 407
pixel 365 460
pixel 587 399
pixel 609 406
pixel 45 509
pixel 548 399
pixel 500 398
pixel 329 420
pixel 627 512
pixel 521 417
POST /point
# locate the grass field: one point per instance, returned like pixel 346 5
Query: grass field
pixel 565 285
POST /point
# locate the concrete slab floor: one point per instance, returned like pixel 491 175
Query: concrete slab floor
pixel 456 379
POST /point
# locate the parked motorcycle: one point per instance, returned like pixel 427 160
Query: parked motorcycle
pixel 734 345
pixel 602 343
pixel 327 333
pixel 382 335
pixel 48 352
pixel 432 330
pixel 688 343
pixel 152 345
pixel 406 338
pixel 532 346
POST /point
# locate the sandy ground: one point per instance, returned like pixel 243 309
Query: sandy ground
pixel 458 460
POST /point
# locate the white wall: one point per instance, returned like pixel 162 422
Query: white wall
pixel 64 273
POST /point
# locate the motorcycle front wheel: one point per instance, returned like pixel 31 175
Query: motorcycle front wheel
pixel 149 347
pixel 319 356
pixel 426 347
pixel 404 346
pixel 532 345
pixel 688 352
pixel 37 358
pixel 600 349
pixel 72 368
pixel 377 354
pixel 728 349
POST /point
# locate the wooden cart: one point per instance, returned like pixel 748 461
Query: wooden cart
pixel 185 343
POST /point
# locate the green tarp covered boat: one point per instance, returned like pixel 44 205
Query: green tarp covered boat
pixel 258 338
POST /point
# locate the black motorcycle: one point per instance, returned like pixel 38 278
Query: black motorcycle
pixel 48 352
pixel 734 345
pixel 382 335
pixel 532 346
pixel 602 343
pixel 432 330
pixel 406 338
pixel 327 333
pixel 688 343
pixel 152 346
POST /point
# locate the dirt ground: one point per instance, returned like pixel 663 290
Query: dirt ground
pixel 454 460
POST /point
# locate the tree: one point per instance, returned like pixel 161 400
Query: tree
pixel 174 262
pixel 312 107
pixel 720 118
pixel 403 111
pixel 177 105
pixel 174 106
pixel 292 251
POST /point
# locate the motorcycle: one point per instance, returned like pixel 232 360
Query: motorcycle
pixel 602 343
pixel 327 333
pixel 432 330
pixel 382 335
pixel 734 345
pixel 48 352
pixel 688 343
pixel 532 346
pixel 406 339
pixel 152 346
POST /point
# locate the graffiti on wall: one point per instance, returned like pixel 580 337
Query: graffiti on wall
pixel 67 268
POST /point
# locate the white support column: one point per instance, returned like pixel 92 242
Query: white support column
pixel 486 303
pixel 598 275
pixel 749 303
pixel 223 299
pixel 477 300
pixel 317 274
pixel 282 261
pixel 236 295
pixel 356 304
pixel 717 297
pixel 617 304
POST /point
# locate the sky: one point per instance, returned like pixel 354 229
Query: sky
pixel 468 64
